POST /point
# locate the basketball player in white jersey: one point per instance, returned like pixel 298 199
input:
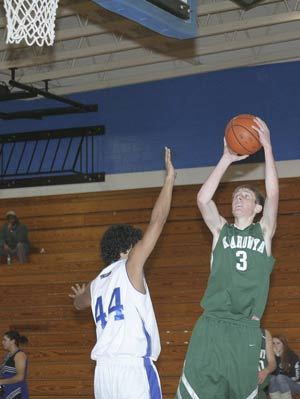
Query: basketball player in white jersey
pixel 127 334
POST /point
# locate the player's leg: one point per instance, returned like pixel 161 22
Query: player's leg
pixel 263 388
pixel 202 375
pixel 245 341
pixel 128 378
pixel 261 394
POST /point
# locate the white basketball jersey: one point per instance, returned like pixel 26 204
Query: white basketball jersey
pixel 124 317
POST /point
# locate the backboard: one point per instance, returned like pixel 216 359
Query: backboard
pixel 174 18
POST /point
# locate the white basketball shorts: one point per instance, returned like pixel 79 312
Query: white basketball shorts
pixel 126 378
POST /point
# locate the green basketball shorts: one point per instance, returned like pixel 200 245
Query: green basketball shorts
pixel 222 360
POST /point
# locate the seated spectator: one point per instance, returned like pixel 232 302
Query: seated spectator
pixel 14 238
pixel 285 380
pixel 13 369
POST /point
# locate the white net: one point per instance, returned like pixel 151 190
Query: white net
pixel 31 20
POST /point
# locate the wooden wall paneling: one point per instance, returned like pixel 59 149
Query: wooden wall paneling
pixel 35 300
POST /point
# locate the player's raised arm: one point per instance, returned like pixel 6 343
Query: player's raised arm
pixel 269 218
pixel 81 295
pixel 141 251
pixel 208 209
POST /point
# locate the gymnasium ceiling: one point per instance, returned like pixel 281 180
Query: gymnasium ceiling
pixel 96 49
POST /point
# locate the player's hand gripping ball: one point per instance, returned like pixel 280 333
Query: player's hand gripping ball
pixel 240 136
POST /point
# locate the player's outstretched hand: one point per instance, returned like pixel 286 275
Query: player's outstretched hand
pixel 77 290
pixel 232 156
pixel 168 163
pixel 263 132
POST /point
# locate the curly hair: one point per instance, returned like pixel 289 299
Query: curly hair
pixel 116 239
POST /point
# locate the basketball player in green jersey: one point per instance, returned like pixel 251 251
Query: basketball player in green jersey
pixel 223 354
pixel 267 363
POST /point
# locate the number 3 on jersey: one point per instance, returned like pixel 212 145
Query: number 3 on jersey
pixel 114 306
pixel 242 261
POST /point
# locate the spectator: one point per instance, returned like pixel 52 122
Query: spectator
pixel 285 380
pixel 14 238
pixel 14 367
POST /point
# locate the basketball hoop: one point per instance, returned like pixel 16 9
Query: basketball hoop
pixel 31 20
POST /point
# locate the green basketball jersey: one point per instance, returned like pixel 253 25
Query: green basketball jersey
pixel 263 361
pixel 239 281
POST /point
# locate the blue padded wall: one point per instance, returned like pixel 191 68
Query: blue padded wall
pixel 188 114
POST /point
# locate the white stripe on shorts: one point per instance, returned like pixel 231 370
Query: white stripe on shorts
pixel 253 395
pixel 188 387
pixel 178 392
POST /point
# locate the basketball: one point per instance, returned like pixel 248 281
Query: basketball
pixel 240 136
